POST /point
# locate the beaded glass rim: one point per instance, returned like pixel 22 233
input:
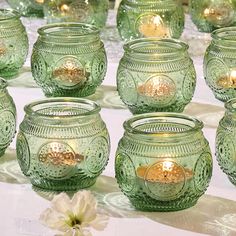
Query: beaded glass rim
pixel 135 45
pixel 220 34
pixel 31 110
pixel 52 29
pixel 131 125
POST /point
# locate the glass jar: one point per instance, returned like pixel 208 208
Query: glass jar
pixel 7 117
pixel 28 7
pixel 68 60
pixel 150 18
pixel 63 144
pixel 13 43
pixel 163 162
pixel 93 12
pixel 156 75
pixel 226 141
pixel 212 14
pixel 220 64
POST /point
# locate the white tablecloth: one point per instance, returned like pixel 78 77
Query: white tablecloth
pixel 215 213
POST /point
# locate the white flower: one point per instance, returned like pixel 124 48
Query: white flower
pixel 74 216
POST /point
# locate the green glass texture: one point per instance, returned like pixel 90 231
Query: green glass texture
pixel 7 117
pixel 163 161
pixel 226 141
pixel 28 7
pixel 62 144
pixel 69 60
pixel 209 15
pixel 220 64
pixel 13 43
pixel 92 12
pixel 156 75
pixel 150 18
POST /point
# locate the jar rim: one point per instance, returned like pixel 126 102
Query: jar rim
pixel 131 124
pixel 135 45
pixel 3 83
pixel 31 109
pixel 220 33
pixel 53 29
pixel 14 14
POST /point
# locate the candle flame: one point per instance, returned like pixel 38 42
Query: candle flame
pixel 168 166
pixel 64 8
pixel 39 1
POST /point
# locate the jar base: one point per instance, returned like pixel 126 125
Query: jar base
pixel 63 185
pixel 9 74
pixel 141 206
pixel 68 93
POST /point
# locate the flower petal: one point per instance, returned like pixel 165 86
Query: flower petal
pixel 62 203
pixel 100 222
pixel 53 220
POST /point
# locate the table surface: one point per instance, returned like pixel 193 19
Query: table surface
pixel 20 205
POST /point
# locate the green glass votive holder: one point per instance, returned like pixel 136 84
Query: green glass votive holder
pixel 209 15
pixel 7 117
pixel 156 75
pixel 13 43
pixel 220 64
pixel 92 12
pixel 68 60
pixel 163 161
pixel 150 18
pixel 226 141
pixel 28 7
pixel 63 144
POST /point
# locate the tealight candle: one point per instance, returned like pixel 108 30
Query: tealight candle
pixel 153 26
pixel 165 172
pixel 220 14
pixel 227 82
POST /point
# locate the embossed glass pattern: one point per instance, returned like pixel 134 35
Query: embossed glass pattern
pixel 150 18
pixel 63 144
pixel 28 7
pixel 13 43
pixel 220 64
pixel 156 75
pixel 209 15
pixel 69 60
pixel 92 12
pixel 226 141
pixel 7 117
pixel 163 162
